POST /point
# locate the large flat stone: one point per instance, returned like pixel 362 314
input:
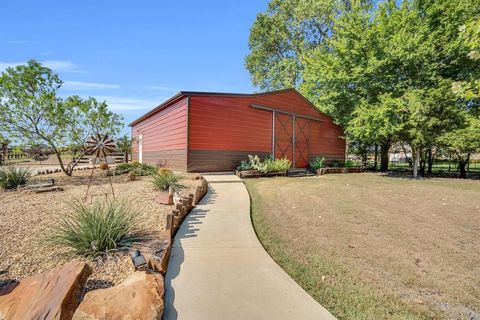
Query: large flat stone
pixel 140 296
pixel 54 294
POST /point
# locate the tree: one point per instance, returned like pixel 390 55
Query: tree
pixel 383 71
pixel 372 58
pixel 124 144
pixel 282 34
pixel 4 142
pixel 377 124
pixel 33 112
pixel 464 141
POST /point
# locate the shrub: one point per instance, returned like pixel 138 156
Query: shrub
pixel 277 165
pixel 132 176
pixel 253 163
pixel 140 169
pixel 166 179
pixel 96 229
pixel 245 165
pixel 11 177
pixel 317 163
pixel 349 164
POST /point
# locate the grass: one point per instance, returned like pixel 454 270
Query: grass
pixel 11 177
pixel 368 246
pixel 165 179
pixel 92 230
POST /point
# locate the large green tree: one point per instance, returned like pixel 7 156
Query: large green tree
pixel 32 112
pixel 285 32
pixel 372 55
pixel 382 71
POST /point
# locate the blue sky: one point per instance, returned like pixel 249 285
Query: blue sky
pixel 134 54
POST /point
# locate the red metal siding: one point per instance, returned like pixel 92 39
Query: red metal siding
pixel 164 136
pixel 225 129
pixel 219 131
pixel 327 141
pixel 228 123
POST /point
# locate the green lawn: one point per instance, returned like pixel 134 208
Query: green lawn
pixel 368 246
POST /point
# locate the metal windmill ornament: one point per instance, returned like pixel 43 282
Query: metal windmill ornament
pixel 100 146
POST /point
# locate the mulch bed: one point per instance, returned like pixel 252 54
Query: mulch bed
pixel 27 216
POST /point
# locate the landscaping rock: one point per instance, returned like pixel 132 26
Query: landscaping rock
pixel 54 294
pixel 165 198
pixel 140 296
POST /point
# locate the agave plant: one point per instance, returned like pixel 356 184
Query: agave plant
pixel 11 177
pixel 96 229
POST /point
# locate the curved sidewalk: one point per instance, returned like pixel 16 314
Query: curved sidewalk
pixel 219 270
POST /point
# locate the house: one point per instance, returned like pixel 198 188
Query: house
pixel 207 131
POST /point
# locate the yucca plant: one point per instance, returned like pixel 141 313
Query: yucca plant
pixel 11 177
pixel 96 229
pixel 166 179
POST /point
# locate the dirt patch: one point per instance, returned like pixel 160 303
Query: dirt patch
pixel 415 239
pixel 25 218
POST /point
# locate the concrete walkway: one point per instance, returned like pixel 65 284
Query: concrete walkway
pixel 219 270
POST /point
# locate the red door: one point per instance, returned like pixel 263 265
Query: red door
pixel 301 150
pixel 283 136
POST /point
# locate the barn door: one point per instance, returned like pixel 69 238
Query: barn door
pixel 301 144
pixel 283 141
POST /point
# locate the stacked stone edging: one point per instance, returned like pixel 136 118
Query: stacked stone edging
pixel 48 171
pixel 158 259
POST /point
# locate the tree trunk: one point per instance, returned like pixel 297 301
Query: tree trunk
pixel 126 156
pixel 462 165
pixel 375 164
pixel 385 147
pixel 409 159
pixel 65 170
pixel 431 156
pixel 416 164
pixel 463 172
pixel 422 163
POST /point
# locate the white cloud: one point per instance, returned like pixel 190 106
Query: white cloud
pixel 129 104
pixel 56 65
pixel 79 85
pixel 59 65
pixel 160 88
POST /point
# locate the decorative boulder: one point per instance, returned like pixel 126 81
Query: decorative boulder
pixel 140 296
pixel 165 198
pixel 54 294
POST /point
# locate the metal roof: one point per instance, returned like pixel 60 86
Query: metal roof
pixel 182 94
